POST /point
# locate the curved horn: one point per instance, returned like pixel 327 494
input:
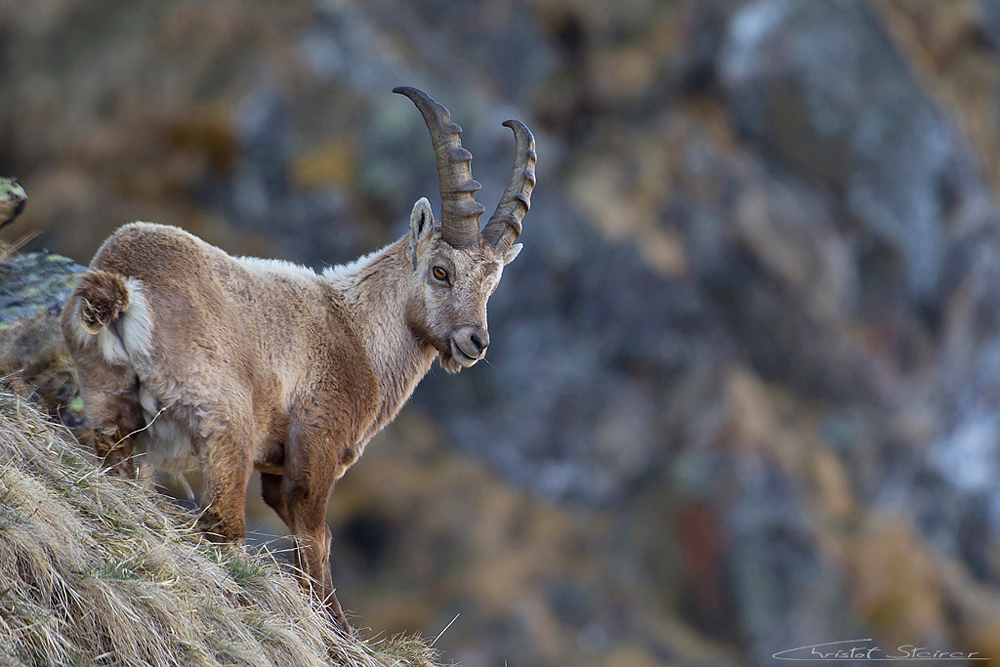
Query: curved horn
pixel 505 224
pixel 459 209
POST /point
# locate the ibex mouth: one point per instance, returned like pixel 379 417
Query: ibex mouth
pixel 456 359
pixel 449 363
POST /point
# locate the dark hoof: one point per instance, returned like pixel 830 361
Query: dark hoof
pixel 341 621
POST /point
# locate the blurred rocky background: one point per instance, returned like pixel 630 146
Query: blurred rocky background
pixel 744 388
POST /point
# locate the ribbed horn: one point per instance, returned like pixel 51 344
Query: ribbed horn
pixel 459 209
pixel 505 225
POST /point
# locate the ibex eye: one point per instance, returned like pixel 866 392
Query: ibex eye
pixel 440 274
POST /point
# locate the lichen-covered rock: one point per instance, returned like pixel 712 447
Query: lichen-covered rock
pixel 35 283
pixel 12 199
pixel 33 289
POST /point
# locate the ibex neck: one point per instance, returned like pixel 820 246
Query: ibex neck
pixel 375 289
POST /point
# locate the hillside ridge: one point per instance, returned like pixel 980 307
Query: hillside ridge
pixel 98 570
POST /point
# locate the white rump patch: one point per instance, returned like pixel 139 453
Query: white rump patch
pixel 135 326
pixel 137 322
pixel 111 347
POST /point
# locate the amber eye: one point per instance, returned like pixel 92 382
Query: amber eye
pixel 440 274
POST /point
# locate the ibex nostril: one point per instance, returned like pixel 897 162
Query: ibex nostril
pixel 481 341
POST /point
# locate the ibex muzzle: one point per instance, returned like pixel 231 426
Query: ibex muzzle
pixel 230 364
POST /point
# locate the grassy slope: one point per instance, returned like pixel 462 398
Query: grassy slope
pixel 96 570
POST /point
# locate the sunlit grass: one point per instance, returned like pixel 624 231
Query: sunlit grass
pixel 96 570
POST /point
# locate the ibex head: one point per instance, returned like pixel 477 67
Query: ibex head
pixel 455 266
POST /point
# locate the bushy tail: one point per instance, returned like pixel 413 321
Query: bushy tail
pixel 104 297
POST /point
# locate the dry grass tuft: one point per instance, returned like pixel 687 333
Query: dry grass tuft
pixel 95 570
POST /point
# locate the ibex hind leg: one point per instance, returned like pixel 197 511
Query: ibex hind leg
pixel 225 470
pixel 115 418
pixel 111 402
pixel 117 447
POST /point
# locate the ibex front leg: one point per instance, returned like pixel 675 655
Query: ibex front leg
pixel 300 497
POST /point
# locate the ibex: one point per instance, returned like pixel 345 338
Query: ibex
pixel 233 363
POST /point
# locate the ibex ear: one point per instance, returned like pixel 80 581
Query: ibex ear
pixel 512 253
pixel 422 226
pixel 422 219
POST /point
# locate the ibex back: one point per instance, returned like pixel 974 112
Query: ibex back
pixel 229 364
